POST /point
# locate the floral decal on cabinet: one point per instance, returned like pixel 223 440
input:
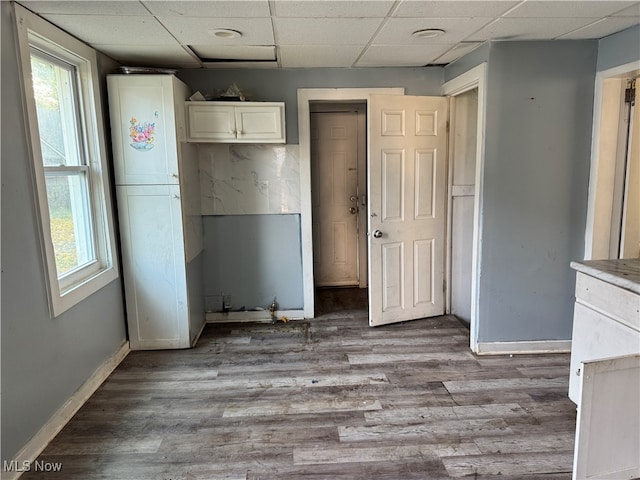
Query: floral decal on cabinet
pixel 142 134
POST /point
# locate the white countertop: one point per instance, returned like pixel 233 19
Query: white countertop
pixel 621 273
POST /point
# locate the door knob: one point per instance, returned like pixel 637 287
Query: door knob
pixel 377 234
pixel 353 210
pixel 353 198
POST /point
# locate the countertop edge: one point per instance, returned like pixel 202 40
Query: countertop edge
pixel 631 284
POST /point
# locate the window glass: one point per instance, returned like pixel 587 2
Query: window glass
pixel 66 175
pixel 70 219
pixel 53 88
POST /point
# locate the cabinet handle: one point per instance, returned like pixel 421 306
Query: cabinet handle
pixel 176 196
pixel 174 175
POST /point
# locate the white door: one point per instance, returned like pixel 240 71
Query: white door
pixel 154 266
pixel 407 186
pixel 607 444
pixel 334 164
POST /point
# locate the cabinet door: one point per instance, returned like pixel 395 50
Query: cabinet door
pixel 596 336
pixel 260 123
pixel 608 424
pixel 211 123
pixel 143 129
pixel 154 266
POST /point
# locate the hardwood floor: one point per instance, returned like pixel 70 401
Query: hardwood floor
pixel 329 398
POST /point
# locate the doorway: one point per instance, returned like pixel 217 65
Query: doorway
pixel 613 218
pixel 462 173
pixel 306 97
pixel 466 270
pixel 338 190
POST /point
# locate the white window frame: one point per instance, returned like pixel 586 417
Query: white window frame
pixel 68 290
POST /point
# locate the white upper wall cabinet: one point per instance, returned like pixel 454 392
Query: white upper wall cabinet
pixel 235 122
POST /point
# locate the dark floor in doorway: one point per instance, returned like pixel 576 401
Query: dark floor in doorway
pixel 340 299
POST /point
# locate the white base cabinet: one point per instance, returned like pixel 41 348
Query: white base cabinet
pixel 235 122
pixel 605 370
pixel 158 192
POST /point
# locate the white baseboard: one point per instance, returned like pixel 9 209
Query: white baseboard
pixel 34 447
pixel 252 316
pixel 540 346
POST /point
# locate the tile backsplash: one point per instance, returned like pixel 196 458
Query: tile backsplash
pixel 249 179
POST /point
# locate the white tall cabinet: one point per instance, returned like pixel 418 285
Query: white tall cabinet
pixel 158 194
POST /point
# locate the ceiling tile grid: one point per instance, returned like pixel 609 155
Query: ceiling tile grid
pixel 323 33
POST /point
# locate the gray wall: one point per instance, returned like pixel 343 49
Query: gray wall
pixel 619 49
pixel 537 154
pixel 253 258
pixel 44 360
pixel 282 85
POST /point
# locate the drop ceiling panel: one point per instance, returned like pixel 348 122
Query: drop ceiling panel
pixel 309 56
pixel 398 31
pixel 443 9
pixel 528 28
pixel 547 9
pixel 88 8
pixel 601 28
pixel 336 8
pixel 219 9
pixel 114 30
pixel 193 30
pixel 401 56
pixel 233 52
pixel 633 11
pixel 151 56
pixel 325 31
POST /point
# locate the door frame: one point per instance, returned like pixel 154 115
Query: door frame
pixel 597 190
pixel 305 97
pixel 471 79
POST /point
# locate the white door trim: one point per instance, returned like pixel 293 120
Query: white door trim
pixel 306 95
pixel 474 78
pixel 619 71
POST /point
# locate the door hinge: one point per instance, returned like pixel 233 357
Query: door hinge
pixel 630 93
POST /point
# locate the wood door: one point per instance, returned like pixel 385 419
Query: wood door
pixel 334 163
pixel 407 186
pixel 607 443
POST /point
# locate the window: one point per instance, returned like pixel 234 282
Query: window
pixel 69 165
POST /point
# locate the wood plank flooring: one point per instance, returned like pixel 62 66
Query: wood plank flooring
pixel 328 398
